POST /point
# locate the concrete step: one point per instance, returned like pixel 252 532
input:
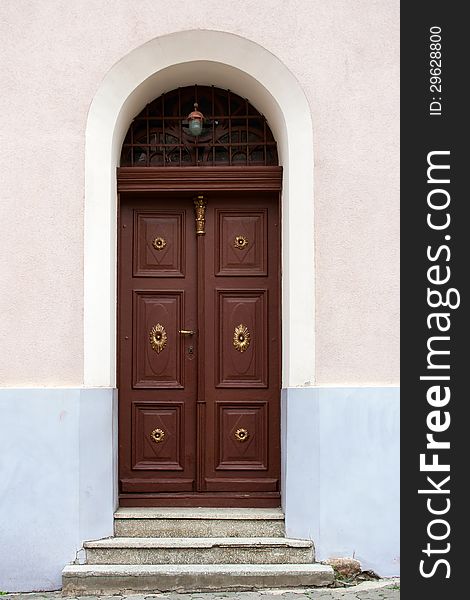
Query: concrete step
pixel 122 579
pixel 171 551
pixel 199 522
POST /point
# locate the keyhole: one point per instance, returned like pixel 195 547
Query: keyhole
pixel 190 350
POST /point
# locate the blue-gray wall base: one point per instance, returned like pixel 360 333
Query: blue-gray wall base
pixel 341 459
pixel 57 484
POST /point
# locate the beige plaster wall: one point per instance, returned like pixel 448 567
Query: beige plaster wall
pixel 55 53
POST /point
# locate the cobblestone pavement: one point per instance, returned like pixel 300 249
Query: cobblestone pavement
pixel 371 590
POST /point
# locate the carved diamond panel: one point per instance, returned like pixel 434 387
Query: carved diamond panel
pixel 242 363
pixel 157 436
pixel 158 244
pixel 250 452
pixel 157 362
pixel 241 242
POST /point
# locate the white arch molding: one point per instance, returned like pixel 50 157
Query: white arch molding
pixel 206 58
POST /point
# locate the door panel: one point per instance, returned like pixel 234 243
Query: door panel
pixel 241 242
pixel 157 367
pixel 241 290
pixel 159 249
pixel 155 424
pixel 158 363
pixel 235 422
pixel 199 414
pixel 242 345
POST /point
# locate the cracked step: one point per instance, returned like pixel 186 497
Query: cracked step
pixel 122 579
pixel 159 551
pixel 199 522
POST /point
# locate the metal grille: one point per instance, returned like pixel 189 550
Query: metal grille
pixel 234 134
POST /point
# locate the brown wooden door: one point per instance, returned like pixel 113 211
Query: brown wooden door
pixel 199 412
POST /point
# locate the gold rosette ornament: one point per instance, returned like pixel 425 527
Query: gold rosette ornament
pixel 242 434
pixel 240 242
pixel 158 338
pixel 159 243
pixel 241 338
pixel 157 435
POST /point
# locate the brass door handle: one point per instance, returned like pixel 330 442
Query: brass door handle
pixel 187 332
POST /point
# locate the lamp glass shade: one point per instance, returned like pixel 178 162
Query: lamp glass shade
pixel 195 126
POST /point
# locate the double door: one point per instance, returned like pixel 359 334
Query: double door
pixel 199 349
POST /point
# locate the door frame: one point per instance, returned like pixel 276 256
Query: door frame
pixel 199 179
pixel 227 61
pixel 196 180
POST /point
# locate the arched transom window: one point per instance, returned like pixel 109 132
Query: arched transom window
pixel 234 132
